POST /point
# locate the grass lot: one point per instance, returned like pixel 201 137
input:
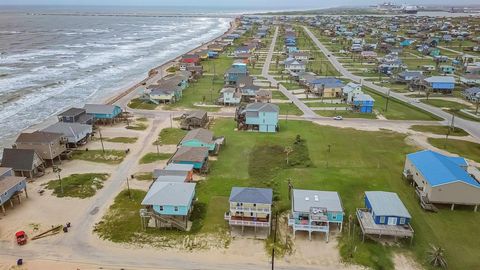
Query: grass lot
pixel 440 130
pixel 291 85
pixel 109 157
pixel 351 167
pixel 170 136
pixel 137 103
pixel 465 116
pixel 144 176
pixel 398 110
pixel 152 157
pixel 463 148
pixel 278 95
pixel 200 91
pixel 137 126
pixel 289 108
pixel 122 139
pixel 445 104
pixel 78 185
pixel 346 114
pixel 324 104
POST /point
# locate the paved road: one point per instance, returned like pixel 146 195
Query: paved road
pixel 472 127
pixel 307 112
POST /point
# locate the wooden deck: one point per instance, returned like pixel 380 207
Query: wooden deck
pixel 369 227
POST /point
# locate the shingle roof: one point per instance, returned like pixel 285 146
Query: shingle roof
pixel 18 159
pixel 439 169
pixel 262 107
pixel 303 200
pixel 174 194
pixel 201 134
pixel 72 112
pixel 196 114
pixel 38 137
pixel 193 154
pixel 251 195
pixel 386 204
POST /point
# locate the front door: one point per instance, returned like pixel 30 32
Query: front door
pixel 392 221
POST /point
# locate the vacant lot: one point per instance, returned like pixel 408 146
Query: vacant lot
pixel 152 157
pixel 78 185
pixel 170 136
pixel 440 130
pixel 109 156
pixel 463 148
pixel 328 158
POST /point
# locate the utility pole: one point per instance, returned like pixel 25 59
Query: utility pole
pixel 57 170
pixel 101 140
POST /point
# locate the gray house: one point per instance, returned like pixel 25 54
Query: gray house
pixel 10 186
pixel 75 115
pixel 24 162
pixel 75 133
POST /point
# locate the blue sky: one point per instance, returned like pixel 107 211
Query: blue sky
pixel 226 3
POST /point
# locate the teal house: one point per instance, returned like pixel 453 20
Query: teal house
pixel 200 137
pixel 103 111
pixel 262 117
pixel 315 211
pixel 196 156
pixel 168 204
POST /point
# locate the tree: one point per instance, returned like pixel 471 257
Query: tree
pixel 436 257
pixel 287 151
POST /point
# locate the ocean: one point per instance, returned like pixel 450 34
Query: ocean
pixel 52 62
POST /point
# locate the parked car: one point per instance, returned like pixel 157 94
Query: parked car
pixel 338 117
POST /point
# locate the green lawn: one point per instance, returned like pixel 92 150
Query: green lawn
pixel 289 108
pixel 445 104
pixel 78 185
pixel 346 114
pixel 440 130
pixel 109 157
pixel 325 104
pixel 278 95
pixel 398 110
pixel 122 139
pixel 137 103
pixel 170 136
pixel 351 167
pixel 144 176
pixel 152 157
pixel 217 66
pixel 462 148
pixel 291 85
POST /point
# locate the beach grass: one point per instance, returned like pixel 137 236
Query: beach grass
pixel 126 140
pixel 109 157
pixel 137 126
pixel 78 185
pixel 143 176
pixel 152 157
pixel 170 136
pixel 462 148
pixel 139 104
pixel 440 130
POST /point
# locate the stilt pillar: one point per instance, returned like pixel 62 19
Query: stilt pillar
pixel 453 207
pixel 475 209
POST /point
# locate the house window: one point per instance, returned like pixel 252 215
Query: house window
pixel 402 221
pixel 334 216
pixel 161 207
pixel 254 205
pixel 251 214
pixel 175 208
pixel 382 220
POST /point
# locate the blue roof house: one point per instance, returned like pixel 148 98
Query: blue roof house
pixel 443 179
pixel 168 204
pixel 315 211
pixel 441 83
pixel 363 103
pixel 386 208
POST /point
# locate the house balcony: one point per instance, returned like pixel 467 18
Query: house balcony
pixel 297 225
pixel 246 221
pixel 368 226
pixel 250 210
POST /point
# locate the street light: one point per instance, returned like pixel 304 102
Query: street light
pixel 57 170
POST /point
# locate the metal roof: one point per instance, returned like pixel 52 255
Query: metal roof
pixel 439 169
pixel 440 79
pixel 69 129
pixel 99 108
pixel 174 194
pixel 72 112
pixel 201 134
pixel 171 178
pixel 179 167
pixel 386 204
pixel 303 200
pixel 251 195
pixel 262 107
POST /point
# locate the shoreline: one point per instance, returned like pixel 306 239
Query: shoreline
pixel 124 91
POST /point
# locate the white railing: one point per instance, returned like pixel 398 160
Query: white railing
pixel 249 209
pixel 249 223
pixel 311 227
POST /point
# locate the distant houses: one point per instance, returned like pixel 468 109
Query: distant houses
pixel 441 179
pixel 314 211
pixel 262 117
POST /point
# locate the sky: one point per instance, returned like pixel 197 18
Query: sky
pixel 291 4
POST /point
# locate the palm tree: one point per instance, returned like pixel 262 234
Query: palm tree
pixel 436 257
